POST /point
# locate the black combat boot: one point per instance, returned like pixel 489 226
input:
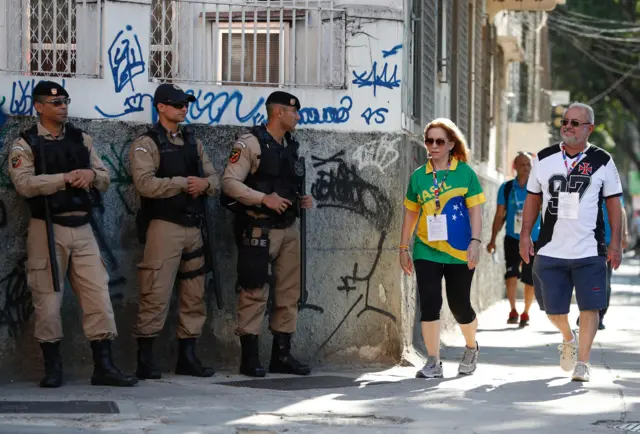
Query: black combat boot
pixel 104 371
pixel 146 366
pixel 188 363
pixel 250 363
pixel 52 364
pixel 282 361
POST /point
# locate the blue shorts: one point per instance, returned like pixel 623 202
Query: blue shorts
pixel 554 280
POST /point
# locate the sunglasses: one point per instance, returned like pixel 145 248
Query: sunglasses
pixel 178 105
pixel 574 123
pixel 439 142
pixel 59 102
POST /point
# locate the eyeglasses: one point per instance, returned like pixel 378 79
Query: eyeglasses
pixel 439 142
pixel 574 123
pixel 59 102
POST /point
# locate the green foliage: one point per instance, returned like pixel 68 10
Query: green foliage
pixel 593 44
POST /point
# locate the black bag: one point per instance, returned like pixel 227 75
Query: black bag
pixel 253 259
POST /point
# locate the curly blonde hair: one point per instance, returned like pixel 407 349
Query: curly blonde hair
pixel 460 149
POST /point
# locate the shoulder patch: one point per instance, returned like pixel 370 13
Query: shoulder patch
pixel 235 155
pixel 17 148
pixel 139 148
pixel 16 162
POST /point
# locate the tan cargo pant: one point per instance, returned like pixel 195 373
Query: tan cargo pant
pixel 77 252
pixel 157 273
pixel 284 246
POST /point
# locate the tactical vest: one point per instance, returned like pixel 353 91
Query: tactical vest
pixel 175 160
pixel 280 171
pixel 60 156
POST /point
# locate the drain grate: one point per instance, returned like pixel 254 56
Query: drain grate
pixel 302 383
pixel 627 426
pixel 67 407
pixel 633 426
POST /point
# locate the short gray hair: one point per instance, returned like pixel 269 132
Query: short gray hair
pixel 587 108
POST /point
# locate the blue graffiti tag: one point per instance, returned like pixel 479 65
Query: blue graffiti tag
pixel 132 104
pixel 21 102
pixel 212 106
pixel 125 59
pixel 375 79
pixel 330 115
pixel 391 52
pixel 379 115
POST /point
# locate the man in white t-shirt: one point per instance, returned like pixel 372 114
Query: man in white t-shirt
pixel 570 180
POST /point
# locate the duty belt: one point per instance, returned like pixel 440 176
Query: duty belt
pixel 70 221
pixel 268 223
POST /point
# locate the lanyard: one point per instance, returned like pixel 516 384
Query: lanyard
pixel 436 187
pixel 519 204
pixel 564 160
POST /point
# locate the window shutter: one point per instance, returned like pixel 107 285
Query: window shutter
pixel 428 70
pixel 478 73
pixel 462 59
pixel 261 57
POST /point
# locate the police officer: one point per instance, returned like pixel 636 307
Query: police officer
pixel 261 185
pixel 164 167
pixel 74 173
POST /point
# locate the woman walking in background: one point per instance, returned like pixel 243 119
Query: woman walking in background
pixel 443 199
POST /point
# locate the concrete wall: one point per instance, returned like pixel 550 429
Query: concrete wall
pixel 360 308
pixel 353 307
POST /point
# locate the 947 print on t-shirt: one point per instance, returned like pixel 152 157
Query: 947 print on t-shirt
pixel 572 223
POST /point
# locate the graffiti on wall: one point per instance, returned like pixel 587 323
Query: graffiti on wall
pixel 377 77
pixel 125 59
pixel 339 185
pixel 17 307
pixel 379 154
pixel 21 100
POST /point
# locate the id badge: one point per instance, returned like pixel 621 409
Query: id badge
pixel 517 222
pixel 437 227
pixel 568 204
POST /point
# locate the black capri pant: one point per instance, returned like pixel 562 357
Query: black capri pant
pixel 458 286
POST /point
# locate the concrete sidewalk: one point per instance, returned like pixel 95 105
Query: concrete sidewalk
pixel 518 388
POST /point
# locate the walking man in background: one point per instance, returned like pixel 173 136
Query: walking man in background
pixel 164 168
pixel 55 167
pixel 511 198
pixel 261 184
pixel 570 180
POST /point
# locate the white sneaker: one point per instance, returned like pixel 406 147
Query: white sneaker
pixel 582 372
pixel 568 354
pixel 432 369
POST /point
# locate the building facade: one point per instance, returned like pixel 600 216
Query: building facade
pixel 369 75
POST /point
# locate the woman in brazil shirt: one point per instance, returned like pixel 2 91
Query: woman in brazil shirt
pixel 443 200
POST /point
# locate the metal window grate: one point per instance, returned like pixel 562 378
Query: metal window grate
pixel 250 42
pixel 53 37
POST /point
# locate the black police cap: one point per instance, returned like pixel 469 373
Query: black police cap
pixel 284 98
pixel 168 93
pixel 49 88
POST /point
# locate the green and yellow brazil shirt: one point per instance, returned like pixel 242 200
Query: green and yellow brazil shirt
pixel 461 190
